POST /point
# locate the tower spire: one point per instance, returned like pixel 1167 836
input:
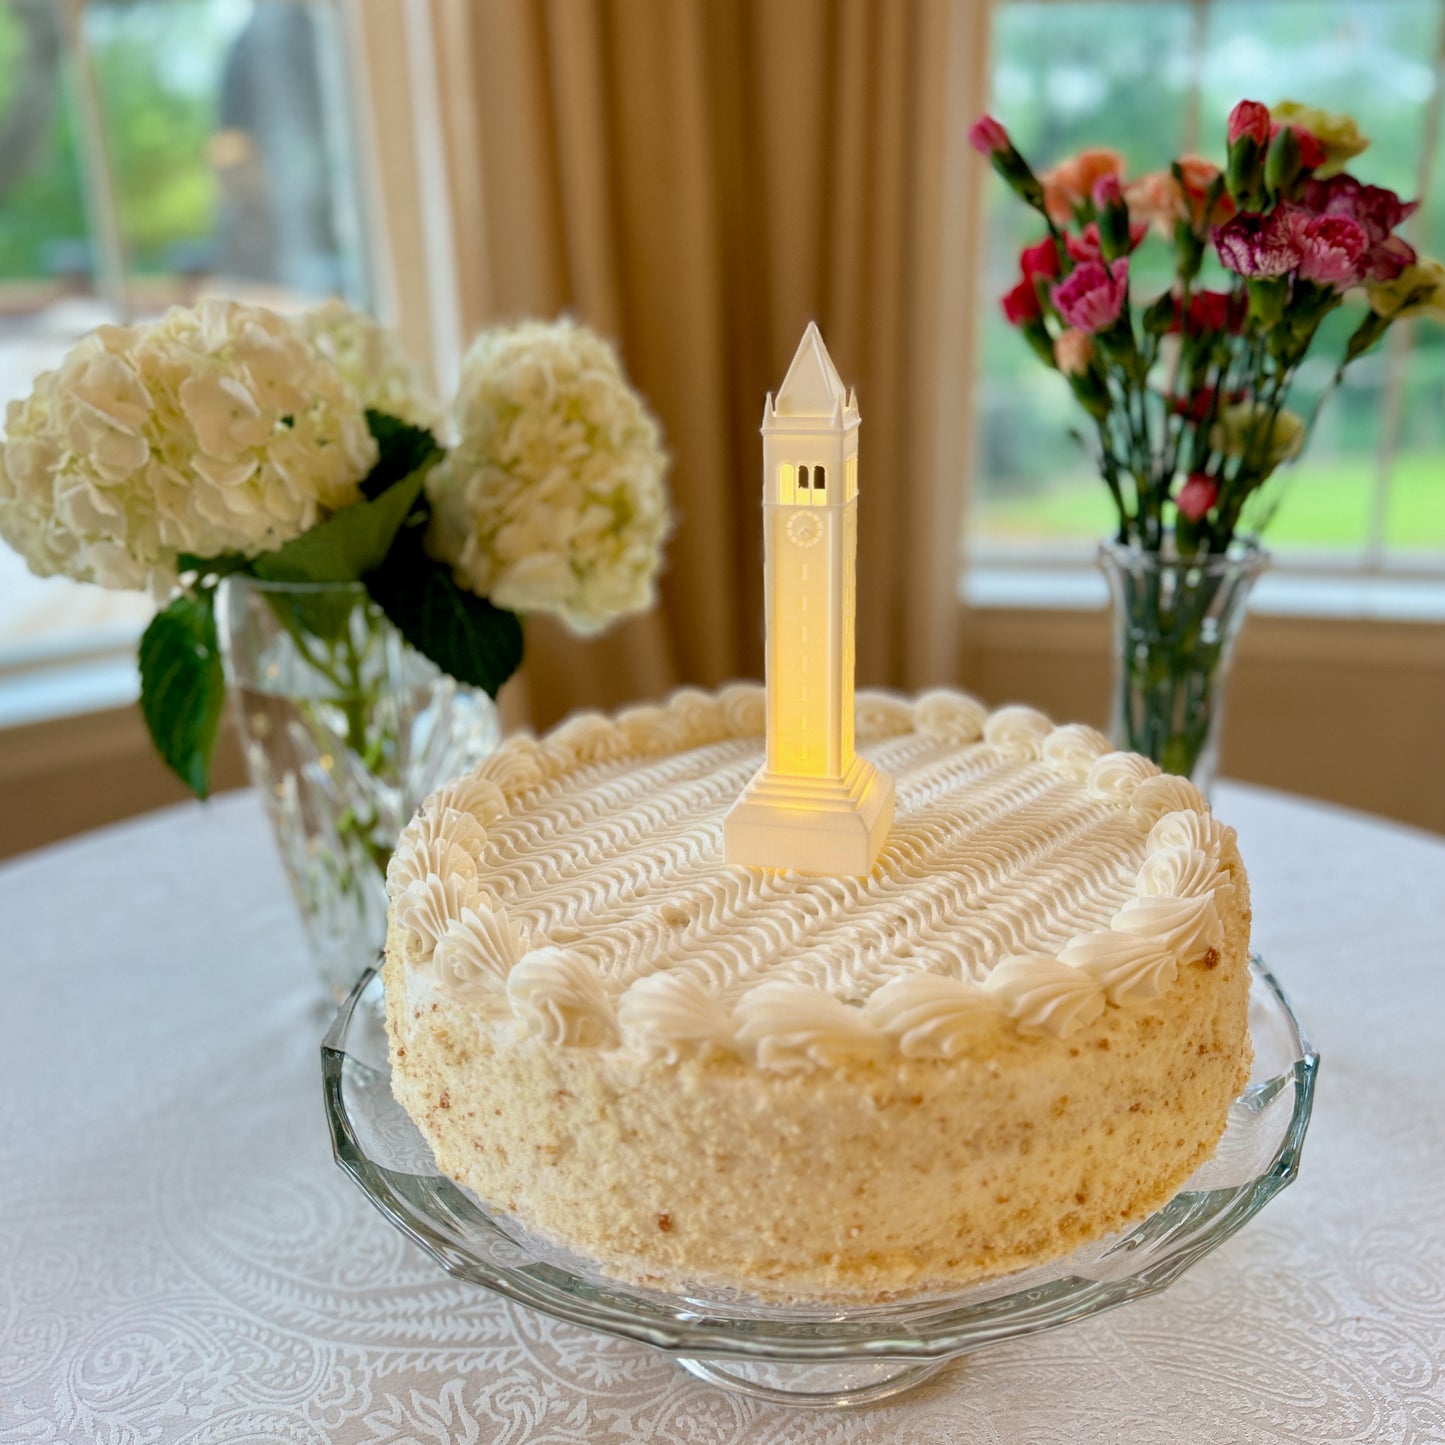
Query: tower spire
pixel 816 806
pixel 812 386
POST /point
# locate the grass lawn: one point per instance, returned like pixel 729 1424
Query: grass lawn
pixel 1324 504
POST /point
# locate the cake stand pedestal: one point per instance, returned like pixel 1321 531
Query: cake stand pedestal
pixel 817 1386
pixel 821 1355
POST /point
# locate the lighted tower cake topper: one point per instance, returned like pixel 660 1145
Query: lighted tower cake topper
pixel 815 806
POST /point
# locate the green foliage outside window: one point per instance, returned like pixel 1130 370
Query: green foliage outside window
pixel 156 70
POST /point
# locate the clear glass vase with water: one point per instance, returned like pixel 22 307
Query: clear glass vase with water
pixel 345 729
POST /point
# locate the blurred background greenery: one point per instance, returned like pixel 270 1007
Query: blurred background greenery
pixel 221 132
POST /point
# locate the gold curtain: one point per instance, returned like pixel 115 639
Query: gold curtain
pixel 697 180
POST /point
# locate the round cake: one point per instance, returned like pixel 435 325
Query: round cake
pixel 1022 1031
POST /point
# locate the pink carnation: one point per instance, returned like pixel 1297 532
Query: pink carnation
pixel 1378 210
pixel 1197 496
pixel 1331 248
pixel 1256 245
pixel 987 136
pixel 1093 295
pixel 1107 191
pixel 1374 208
pixel 1249 118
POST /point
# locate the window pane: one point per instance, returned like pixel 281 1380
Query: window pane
pixel 227 131
pixel 1415 519
pixel 228 138
pixel 1067 76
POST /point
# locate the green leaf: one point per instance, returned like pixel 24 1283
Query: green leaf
pixel 404 449
pixel 465 635
pixel 1365 335
pixel 348 544
pixel 320 612
pixel 182 689
pixel 355 540
pixel 221 566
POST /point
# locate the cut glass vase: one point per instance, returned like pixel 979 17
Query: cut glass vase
pixel 346 729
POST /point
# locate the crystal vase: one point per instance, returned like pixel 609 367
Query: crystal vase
pixel 345 730
pixel 1175 624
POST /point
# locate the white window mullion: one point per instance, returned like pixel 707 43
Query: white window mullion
pixel 1193 96
pixel 97 168
pixel 1401 335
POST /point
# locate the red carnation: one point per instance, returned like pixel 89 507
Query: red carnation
pixel 1249 118
pixel 1311 147
pixel 1040 259
pixel 1216 311
pixel 1198 405
pixel 1021 304
pixel 1197 496
pixel 1385 261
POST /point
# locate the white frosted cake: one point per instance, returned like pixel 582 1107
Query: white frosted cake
pixel 1020 1032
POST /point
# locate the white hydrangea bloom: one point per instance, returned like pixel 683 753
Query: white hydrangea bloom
pixel 216 429
pixel 553 498
pixel 369 356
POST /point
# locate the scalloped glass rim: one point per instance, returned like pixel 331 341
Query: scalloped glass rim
pixel 1258 1156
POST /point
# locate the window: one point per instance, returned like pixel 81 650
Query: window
pixel 153 152
pixel 1367 495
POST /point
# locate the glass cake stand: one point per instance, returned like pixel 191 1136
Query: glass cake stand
pixel 825 1355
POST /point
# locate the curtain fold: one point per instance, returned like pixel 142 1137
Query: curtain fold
pixel 698 181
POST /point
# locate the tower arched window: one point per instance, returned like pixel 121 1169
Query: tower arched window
pixel 820 478
pixel 802 479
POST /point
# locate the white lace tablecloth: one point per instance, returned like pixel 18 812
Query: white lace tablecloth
pixel 180 1261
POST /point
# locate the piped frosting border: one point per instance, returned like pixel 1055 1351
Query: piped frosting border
pixel 466 946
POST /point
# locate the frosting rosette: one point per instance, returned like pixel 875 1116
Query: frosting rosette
pixel 553 498
pixel 217 429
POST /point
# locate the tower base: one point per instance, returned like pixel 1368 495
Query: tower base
pixel 828 826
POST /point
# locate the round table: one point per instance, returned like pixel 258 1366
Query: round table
pixel 180 1261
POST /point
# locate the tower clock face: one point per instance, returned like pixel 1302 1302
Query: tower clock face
pixel 804 528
